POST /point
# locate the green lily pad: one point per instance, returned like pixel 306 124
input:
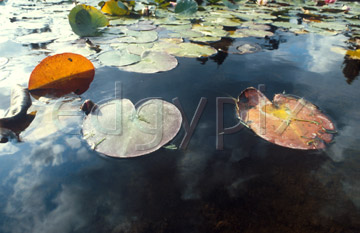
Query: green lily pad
pixel 139 37
pixel 233 22
pixel 123 21
pixel 186 7
pixel 37 38
pixel 118 129
pixel 118 58
pixel 85 20
pixel 153 62
pixel 255 26
pixel 243 32
pixel 213 31
pixel 141 27
pixel 185 34
pixel 205 39
pixel 191 50
pixel 336 26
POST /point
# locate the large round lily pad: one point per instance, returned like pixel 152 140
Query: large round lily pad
pixel 191 50
pixel 153 62
pixel 118 58
pixel 120 130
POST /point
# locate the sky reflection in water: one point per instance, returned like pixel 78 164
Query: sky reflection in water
pixel 58 184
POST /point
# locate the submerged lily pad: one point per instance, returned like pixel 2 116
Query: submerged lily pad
pixel 118 58
pixel 153 62
pixel 85 20
pixel 245 47
pixel 118 129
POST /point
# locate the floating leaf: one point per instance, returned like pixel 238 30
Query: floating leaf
pixel 186 7
pixel 232 22
pixel 36 38
pixel 85 20
pixel 205 39
pixel 245 47
pixel 191 50
pixel 215 31
pixel 123 21
pixel 115 7
pixel 244 32
pixel 353 54
pixel 118 129
pixel 118 58
pixel 287 121
pixel 141 27
pixel 153 62
pixel 62 74
pixel 185 34
pixel 139 37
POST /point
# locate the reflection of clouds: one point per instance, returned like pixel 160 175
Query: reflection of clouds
pixel 322 59
pixel 9 148
pixel 28 205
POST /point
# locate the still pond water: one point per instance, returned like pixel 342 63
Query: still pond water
pixel 56 183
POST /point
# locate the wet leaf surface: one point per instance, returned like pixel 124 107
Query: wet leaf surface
pixel 287 121
pixel 153 62
pixel 120 130
pixel 85 20
pixel 61 74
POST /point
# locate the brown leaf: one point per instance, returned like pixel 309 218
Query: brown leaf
pixel 287 121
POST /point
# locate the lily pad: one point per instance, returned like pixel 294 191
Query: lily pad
pixel 139 37
pixel 244 32
pixel 85 20
pixel 37 38
pixel 186 7
pixel 287 121
pixel 61 74
pixel 191 50
pixel 153 62
pixel 115 7
pixel 215 31
pixel 118 58
pixel 123 21
pixel 118 129
pixel 244 48
pixel 205 39
pixel 141 27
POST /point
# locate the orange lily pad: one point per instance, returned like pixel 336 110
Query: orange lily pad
pixel 286 121
pixel 61 74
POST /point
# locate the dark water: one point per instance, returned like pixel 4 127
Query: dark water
pixel 58 184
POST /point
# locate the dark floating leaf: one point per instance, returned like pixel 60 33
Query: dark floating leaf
pixel 16 118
